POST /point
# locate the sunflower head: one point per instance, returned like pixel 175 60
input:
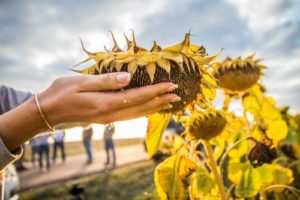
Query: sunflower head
pixel 260 154
pixel 206 125
pixel 237 75
pixel 184 64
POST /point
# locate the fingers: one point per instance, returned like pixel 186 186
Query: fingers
pixel 110 81
pixel 137 96
pixel 154 105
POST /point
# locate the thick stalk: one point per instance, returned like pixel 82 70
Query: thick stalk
pixel 213 166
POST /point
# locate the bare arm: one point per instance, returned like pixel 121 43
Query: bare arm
pixel 84 99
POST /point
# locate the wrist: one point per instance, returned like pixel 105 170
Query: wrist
pixel 49 109
pixel 44 118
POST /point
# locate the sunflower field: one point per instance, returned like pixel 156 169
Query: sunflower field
pixel 249 153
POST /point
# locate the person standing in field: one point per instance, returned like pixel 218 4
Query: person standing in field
pixel 34 144
pixel 87 138
pixel 59 137
pixel 44 150
pixel 109 144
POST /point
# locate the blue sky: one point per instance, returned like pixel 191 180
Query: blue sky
pixel 39 39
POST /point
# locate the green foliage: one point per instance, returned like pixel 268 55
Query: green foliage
pixel 271 132
pixel 249 181
pixel 202 183
pixel 171 177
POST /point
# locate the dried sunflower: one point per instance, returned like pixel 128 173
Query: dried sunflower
pixel 206 124
pixel 260 154
pixel 184 64
pixel 237 75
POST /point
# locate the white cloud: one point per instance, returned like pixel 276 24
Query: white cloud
pixel 266 14
pixel 39 39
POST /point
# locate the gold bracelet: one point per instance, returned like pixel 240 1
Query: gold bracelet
pixel 42 113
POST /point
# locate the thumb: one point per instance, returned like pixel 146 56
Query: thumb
pixel 109 81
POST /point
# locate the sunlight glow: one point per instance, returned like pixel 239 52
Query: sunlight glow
pixel 135 128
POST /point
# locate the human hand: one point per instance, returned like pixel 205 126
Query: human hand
pixel 90 98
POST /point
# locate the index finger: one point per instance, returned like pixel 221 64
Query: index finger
pixel 133 97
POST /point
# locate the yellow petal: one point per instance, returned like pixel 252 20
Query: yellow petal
pixel 176 57
pixel 89 70
pixel 132 67
pixel 200 60
pixel 107 61
pixel 186 62
pixel 118 65
pixel 148 57
pixel 151 67
pixel 165 64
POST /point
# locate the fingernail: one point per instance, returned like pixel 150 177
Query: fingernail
pixel 175 99
pixel 123 77
pixel 169 106
pixel 172 87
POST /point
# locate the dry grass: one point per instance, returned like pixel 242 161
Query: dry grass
pixel 134 182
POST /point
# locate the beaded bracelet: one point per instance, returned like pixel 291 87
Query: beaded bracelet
pixel 42 113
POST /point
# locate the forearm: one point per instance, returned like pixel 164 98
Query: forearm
pixel 83 99
pixel 20 124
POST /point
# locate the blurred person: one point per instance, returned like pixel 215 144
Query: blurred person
pixel 109 143
pixel 175 127
pixel 87 134
pixel 44 150
pixel 34 149
pixel 81 98
pixel 59 137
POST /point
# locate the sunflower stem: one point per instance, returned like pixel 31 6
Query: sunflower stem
pixel 213 166
pixel 226 102
pixel 231 147
pixel 249 129
pixel 263 195
pixel 294 190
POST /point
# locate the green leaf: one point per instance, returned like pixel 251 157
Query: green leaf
pixel 279 175
pixel 246 179
pixel 202 183
pixel 171 177
pixel 250 181
pixel 157 124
